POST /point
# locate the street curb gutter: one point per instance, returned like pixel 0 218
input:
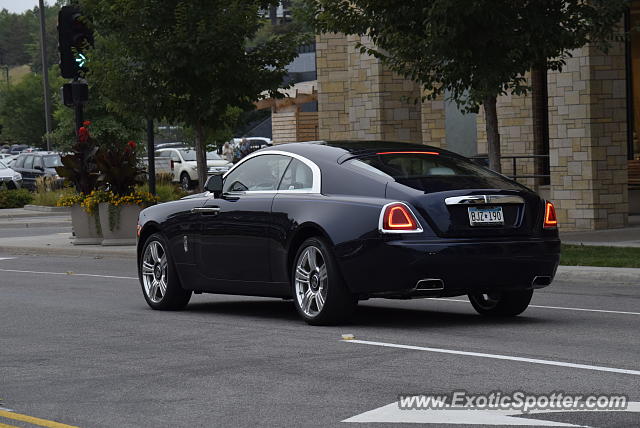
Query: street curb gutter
pixel 34 225
pixel 607 275
pixel 45 209
pixel 93 251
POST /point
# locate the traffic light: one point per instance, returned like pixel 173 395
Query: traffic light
pixel 74 37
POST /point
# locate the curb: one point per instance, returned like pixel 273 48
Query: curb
pixel 92 251
pixel 34 225
pixel 630 276
pixel 44 209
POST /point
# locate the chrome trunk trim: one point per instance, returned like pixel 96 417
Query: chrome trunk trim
pixel 484 200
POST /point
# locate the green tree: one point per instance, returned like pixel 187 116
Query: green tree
pixel 185 61
pixel 16 32
pixel 475 49
pixel 22 111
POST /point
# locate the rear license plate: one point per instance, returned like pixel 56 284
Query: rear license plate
pixel 485 216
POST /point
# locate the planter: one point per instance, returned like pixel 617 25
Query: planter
pixel 118 224
pixel 85 227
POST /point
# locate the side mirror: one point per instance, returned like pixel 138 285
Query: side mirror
pixel 214 185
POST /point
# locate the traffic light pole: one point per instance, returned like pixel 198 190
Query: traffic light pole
pixel 79 112
pixel 45 75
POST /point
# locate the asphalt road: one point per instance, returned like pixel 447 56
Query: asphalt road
pixel 87 351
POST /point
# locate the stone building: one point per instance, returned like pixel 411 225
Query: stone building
pixel 593 105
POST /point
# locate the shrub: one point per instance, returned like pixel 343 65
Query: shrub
pixel 166 191
pixel 15 198
pixel 51 198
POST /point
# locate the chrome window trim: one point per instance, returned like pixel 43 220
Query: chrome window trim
pixel 484 200
pixel 315 171
pixel 381 228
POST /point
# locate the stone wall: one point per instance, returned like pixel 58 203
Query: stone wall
pixel 358 98
pixel 588 140
pixel 515 122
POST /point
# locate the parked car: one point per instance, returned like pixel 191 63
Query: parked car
pixel 16 149
pixel 183 165
pixel 37 164
pixel 9 178
pixel 9 160
pixel 171 145
pixel 330 223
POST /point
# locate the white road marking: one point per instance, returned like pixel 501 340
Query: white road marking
pixel 69 274
pixel 562 308
pixel 6 258
pixel 499 357
pixel 391 413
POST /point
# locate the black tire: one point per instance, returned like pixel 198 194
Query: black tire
pixel 185 181
pixel 339 302
pixel 501 304
pixel 174 296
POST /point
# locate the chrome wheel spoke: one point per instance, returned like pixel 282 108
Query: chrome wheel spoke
pixel 302 275
pixel 311 256
pixel 154 252
pixel 322 272
pixel 147 268
pixel 163 263
pixel 307 300
pixel 319 300
pixel 153 290
pixel 163 287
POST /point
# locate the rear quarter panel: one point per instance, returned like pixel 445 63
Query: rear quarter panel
pixel 349 223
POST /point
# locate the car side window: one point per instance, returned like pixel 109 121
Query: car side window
pixel 19 162
pixel 28 162
pixel 260 173
pixel 298 176
pixel 37 162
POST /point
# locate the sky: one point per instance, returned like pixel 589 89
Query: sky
pixel 19 6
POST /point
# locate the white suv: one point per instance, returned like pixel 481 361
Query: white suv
pixel 184 168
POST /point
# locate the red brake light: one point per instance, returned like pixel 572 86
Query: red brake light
pixel 408 153
pixel 550 218
pixel 397 217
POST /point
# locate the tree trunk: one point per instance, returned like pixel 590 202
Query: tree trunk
pixel 201 156
pixel 540 108
pixel 493 134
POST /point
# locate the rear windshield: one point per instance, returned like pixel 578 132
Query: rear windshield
pixel 401 166
pixel 52 161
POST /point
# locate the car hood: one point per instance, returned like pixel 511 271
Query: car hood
pixel 7 172
pixel 220 162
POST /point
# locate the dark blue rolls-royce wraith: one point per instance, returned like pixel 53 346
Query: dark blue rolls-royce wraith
pixel 327 224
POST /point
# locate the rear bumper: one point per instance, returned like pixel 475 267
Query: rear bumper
pixel 450 268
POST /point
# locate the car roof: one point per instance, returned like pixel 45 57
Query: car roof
pixel 340 150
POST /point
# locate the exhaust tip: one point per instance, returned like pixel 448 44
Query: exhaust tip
pixel 430 284
pixel 541 281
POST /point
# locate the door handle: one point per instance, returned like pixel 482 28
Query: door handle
pixel 206 210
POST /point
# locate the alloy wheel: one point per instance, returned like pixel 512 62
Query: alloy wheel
pixel 154 271
pixel 311 281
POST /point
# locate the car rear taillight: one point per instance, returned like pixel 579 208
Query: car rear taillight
pixel 397 217
pixel 172 164
pixel 550 218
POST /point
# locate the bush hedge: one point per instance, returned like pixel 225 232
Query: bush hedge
pixel 15 198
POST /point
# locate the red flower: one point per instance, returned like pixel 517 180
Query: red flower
pixel 86 123
pixel 131 144
pixel 83 134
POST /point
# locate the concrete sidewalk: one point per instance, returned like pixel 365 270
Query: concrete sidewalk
pixel 20 218
pixel 627 237
pixel 60 244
